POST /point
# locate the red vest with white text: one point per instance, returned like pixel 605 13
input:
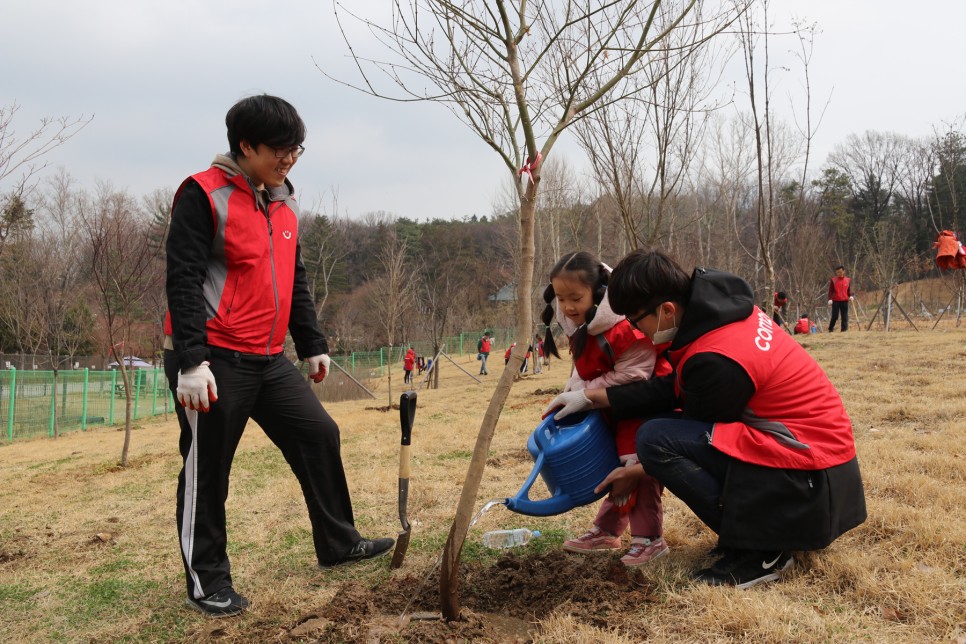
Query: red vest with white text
pixel 795 419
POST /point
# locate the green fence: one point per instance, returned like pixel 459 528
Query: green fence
pixel 33 403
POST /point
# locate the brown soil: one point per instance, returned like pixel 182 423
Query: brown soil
pixel 502 602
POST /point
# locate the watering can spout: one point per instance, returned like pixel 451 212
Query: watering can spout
pixel 572 457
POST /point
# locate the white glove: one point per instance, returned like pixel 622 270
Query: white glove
pixel 851 298
pixel 318 367
pixel 830 302
pixel 196 387
pixel 571 403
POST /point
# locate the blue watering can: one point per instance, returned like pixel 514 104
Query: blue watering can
pixel 573 456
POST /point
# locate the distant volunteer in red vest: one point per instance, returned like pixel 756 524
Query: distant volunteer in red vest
pixel 803 325
pixel 760 446
pixel 839 296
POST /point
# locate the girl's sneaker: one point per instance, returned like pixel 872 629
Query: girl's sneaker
pixel 595 540
pixel 645 550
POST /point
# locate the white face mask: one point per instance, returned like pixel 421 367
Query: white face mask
pixel 665 336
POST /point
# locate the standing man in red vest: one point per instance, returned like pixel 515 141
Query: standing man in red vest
pixel 839 296
pixel 483 352
pixel 235 285
pixel 753 437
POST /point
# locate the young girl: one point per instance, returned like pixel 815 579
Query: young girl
pixel 607 351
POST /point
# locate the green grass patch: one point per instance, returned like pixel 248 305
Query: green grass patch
pixel 252 470
pixel 115 565
pixel 50 466
pixel 15 594
pixel 292 549
pixel 458 455
pixel 88 602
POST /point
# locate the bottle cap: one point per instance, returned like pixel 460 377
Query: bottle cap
pixel 535 533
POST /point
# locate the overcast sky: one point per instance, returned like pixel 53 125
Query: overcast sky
pixel 159 76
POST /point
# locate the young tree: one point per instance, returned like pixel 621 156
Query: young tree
pixel 775 146
pixel 394 290
pixel 125 265
pixel 324 246
pixel 518 74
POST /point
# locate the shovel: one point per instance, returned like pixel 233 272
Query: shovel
pixel 407 411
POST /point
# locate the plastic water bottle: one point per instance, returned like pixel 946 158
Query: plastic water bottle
pixel 501 539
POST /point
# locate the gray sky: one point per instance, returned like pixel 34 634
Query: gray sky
pixel 159 77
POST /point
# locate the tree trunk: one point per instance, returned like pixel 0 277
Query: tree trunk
pixel 448 580
pixel 448 576
pixel 125 378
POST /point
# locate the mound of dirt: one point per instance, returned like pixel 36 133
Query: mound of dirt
pixel 549 391
pixel 501 602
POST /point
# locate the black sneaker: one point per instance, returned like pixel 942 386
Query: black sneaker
pixel 225 603
pixel 364 549
pixel 745 568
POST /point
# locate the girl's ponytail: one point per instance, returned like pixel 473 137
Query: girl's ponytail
pixel 549 346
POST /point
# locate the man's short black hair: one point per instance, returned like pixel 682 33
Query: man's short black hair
pixel 264 119
pixel 646 278
pixel 840 267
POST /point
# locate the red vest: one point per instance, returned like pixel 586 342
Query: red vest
pixel 251 270
pixel 595 362
pixel 839 289
pixel 802 326
pixel 796 418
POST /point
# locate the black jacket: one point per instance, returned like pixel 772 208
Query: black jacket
pixel 763 508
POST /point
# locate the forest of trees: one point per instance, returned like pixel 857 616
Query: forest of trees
pixel 80 271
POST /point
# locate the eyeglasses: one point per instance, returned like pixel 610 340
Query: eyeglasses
pixel 296 151
pixel 650 311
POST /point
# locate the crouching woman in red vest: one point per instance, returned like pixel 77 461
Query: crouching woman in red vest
pixel 754 437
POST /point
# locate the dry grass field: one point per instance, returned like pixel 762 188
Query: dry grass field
pixel 88 551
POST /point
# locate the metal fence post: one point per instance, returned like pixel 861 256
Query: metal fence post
pixel 13 402
pixel 154 394
pixel 113 394
pixel 137 391
pixel 53 403
pixel 84 399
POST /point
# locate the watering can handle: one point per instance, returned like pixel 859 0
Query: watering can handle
pixel 550 425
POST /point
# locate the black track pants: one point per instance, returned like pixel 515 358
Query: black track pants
pixel 272 392
pixel 839 308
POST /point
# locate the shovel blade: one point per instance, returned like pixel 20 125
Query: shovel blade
pixel 402 544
